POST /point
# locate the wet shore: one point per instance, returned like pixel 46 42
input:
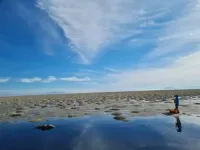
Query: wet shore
pixel 121 105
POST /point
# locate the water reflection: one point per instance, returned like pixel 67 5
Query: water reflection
pixel 178 124
pixel 107 133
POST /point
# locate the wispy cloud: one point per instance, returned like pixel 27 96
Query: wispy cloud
pixel 76 79
pixel 182 33
pixel 93 25
pixel 49 79
pixel 3 80
pixel 53 78
pixel 111 69
pixel 182 73
pixel 30 80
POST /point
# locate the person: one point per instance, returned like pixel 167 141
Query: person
pixel 176 101
pixel 178 124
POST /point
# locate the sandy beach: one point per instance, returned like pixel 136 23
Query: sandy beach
pixel 121 105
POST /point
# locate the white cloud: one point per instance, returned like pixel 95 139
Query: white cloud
pixel 49 79
pixel 181 34
pixel 182 73
pixel 30 80
pixel 76 79
pixel 53 78
pixel 91 25
pixel 3 80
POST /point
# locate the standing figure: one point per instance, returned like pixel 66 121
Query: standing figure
pixel 176 101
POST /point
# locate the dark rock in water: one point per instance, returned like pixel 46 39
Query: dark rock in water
pixel 117 114
pixel 134 112
pixel 19 111
pixel 197 103
pixel 45 127
pixel 44 106
pixel 114 109
pixel 19 108
pixel 120 118
pixel 16 115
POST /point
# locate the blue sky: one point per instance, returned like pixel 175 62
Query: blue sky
pixel 98 45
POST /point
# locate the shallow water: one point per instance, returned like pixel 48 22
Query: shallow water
pixel 104 133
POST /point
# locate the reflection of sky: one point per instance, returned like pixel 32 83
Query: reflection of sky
pixel 102 133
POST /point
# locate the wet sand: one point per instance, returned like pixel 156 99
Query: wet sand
pixel 121 105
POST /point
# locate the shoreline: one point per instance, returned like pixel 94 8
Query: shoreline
pixel 36 108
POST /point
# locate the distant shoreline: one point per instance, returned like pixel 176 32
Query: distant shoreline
pixel 74 93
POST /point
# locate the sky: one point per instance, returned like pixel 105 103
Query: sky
pixel 72 46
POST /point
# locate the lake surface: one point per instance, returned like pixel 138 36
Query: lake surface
pixel 104 133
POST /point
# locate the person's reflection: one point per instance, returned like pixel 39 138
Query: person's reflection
pixel 178 124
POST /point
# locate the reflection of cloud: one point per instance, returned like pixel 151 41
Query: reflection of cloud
pixel 142 133
pixel 180 141
pixel 191 120
pixel 89 139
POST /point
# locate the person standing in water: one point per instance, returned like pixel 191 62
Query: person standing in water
pixel 176 101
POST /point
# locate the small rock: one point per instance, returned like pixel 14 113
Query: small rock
pixel 44 106
pixel 45 127
pixel 197 103
pixel 19 111
pixel 121 118
pixel 116 113
pixel 114 109
pixel 16 114
pixel 134 112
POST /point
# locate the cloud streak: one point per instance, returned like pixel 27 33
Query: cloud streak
pixel 93 25
pixel 3 80
pixel 53 79
pixel 182 33
pixel 76 79
pixel 182 73
pixel 49 79
pixel 30 80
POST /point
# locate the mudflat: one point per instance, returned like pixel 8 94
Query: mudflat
pixel 121 105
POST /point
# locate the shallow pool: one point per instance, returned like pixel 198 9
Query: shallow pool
pixel 104 133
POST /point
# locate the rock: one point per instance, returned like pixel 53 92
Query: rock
pixel 45 127
pixel 134 112
pixel 114 109
pixel 121 118
pixel 16 114
pixel 19 108
pixel 19 111
pixel 44 106
pixel 71 116
pixel 116 113
pixel 197 103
